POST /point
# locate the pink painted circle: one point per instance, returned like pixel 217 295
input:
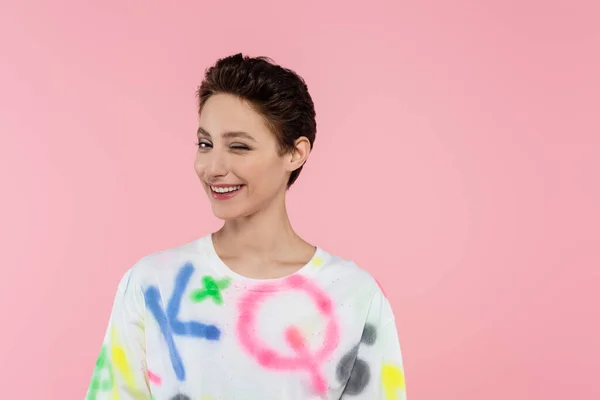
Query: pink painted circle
pixel 266 356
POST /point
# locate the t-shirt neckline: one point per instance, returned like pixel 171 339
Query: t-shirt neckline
pixel 318 258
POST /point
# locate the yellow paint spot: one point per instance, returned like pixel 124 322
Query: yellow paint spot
pixel 317 262
pixel 311 326
pixel 119 359
pixel 121 364
pixel 393 379
pixel 115 392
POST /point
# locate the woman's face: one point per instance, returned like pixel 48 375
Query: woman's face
pixel 238 161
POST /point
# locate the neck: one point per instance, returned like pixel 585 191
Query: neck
pixel 263 234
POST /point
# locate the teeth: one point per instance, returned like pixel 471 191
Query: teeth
pixel 225 189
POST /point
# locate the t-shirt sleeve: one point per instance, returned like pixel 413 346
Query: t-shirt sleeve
pixel 378 370
pixel 120 371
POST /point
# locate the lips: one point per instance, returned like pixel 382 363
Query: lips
pixel 225 189
pixel 224 192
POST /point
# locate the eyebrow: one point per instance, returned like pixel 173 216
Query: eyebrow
pixel 228 134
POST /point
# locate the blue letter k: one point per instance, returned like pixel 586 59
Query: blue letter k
pixel 169 322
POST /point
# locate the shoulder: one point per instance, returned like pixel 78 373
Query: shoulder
pixel 151 267
pixel 346 273
pixel 355 291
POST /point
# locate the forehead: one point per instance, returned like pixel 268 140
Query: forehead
pixel 225 112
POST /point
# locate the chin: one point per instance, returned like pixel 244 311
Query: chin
pixel 228 214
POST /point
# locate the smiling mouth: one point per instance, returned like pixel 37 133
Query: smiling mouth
pixel 225 189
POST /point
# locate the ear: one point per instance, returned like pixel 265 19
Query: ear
pixel 298 156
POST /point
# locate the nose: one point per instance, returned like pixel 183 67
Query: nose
pixel 216 166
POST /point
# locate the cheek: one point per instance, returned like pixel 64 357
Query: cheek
pixel 270 173
pixel 199 166
pixel 264 169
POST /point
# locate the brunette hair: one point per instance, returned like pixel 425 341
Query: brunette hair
pixel 277 93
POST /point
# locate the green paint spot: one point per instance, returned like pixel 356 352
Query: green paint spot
pixel 100 383
pixel 211 288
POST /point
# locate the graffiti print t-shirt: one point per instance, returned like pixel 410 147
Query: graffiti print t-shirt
pixel 185 326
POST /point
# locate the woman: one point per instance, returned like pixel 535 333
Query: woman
pixel 252 311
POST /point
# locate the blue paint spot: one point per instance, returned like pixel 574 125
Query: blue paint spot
pixel 169 321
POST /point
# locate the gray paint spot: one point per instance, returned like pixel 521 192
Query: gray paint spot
pixel 354 371
pixel 180 397
pixel 359 378
pixel 369 335
pixel 344 367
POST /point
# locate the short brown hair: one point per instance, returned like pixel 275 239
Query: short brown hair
pixel 278 94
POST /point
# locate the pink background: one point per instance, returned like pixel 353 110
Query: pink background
pixel 459 141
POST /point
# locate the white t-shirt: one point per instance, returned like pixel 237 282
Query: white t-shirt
pixel 186 327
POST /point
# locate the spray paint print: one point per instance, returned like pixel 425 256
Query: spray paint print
pixel 317 262
pixel 120 362
pixel 119 359
pixel 392 379
pixel 155 379
pixel 354 371
pixel 169 322
pixel 112 359
pixel 102 378
pixel 357 373
pixel 305 359
pixel 212 288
